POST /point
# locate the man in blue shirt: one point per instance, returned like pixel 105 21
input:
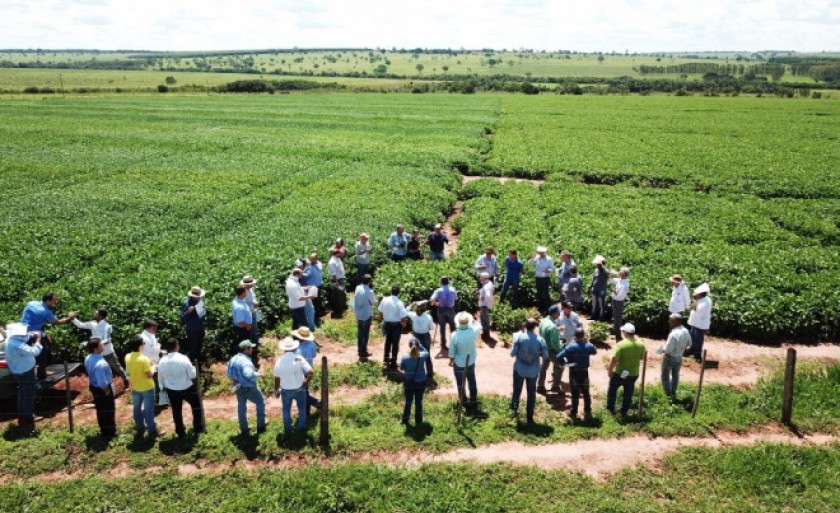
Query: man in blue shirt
pixel 436 242
pixel 529 349
pixel 20 357
pixel 576 354
pixel 241 371
pixel 100 378
pixel 463 354
pixel 243 319
pixel 398 244
pixel 444 299
pixel 37 314
pixel 363 303
pixel 513 273
pixel 193 313
pixel 313 276
pixel 564 272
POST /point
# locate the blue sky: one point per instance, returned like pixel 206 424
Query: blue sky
pixel 584 25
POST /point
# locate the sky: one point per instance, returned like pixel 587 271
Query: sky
pixel 582 25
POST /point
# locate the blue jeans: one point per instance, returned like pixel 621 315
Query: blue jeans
pixel 697 336
pixel 671 374
pixel 363 335
pixel 253 394
pixel 530 390
pixel 512 287
pixel 309 310
pixel 144 410
pixel 629 384
pixel 446 317
pixel 26 396
pixel 299 317
pixel 599 299
pixel 299 396
pixel 459 381
pixel 434 255
pixel 413 393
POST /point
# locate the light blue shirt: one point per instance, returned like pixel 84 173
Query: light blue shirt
pixel 543 267
pixel 241 312
pixel 491 265
pixel 414 368
pixel 307 350
pixel 463 344
pixel 98 370
pixel 569 325
pixel 314 274
pixel 241 370
pixel 36 314
pixel 445 296
pixel 363 302
pixel 528 348
pixel 399 243
pixel 564 271
pixel 20 356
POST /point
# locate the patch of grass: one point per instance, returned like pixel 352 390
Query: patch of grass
pixel 359 375
pixel 342 330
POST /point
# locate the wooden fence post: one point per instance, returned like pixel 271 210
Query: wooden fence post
pixel 642 389
pixel 67 396
pixel 699 385
pixel 787 393
pixel 324 439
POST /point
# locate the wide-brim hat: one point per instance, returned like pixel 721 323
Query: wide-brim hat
pixel 677 277
pixel 248 280
pixel 289 344
pixel 542 249
pixel 702 289
pixel 197 292
pixel 464 318
pixel 598 260
pixel 16 329
pixel 304 333
pixel 628 328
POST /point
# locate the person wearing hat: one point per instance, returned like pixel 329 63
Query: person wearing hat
pixel 297 298
pixel 444 298
pixel 313 276
pixel 311 293
pixel 291 378
pixel 573 289
pixel 243 319
pixel 699 320
pixel 36 315
pixel 598 289
pixel 100 329
pixel 176 374
pixel 141 372
pixel 618 298
pixel 414 245
pixel 551 335
pixel 564 272
pixel 513 274
pixel 462 350
pixel 193 313
pixel 393 319
pixel 364 300
pixel 241 370
pixel 249 282
pixel 362 249
pixel 576 356
pixel 100 385
pixel 414 366
pixel 530 350
pixel 436 241
pixel 421 327
pixel 487 263
pixel 21 358
pixel 624 368
pixel 398 244
pixel 567 322
pixel 308 350
pixel 544 267
pixel 338 292
pixel 339 248
pixel 485 302
pixel 680 298
pixel 679 340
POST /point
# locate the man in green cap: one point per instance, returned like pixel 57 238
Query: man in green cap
pixel 551 335
pixel 241 371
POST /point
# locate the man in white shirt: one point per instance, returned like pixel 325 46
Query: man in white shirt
pixel 544 267
pixel 680 299
pixel 363 250
pixel 421 325
pixel 338 294
pixel 363 303
pixel 99 328
pixel 297 299
pixel 700 320
pixel 620 286
pixel 152 351
pixel 672 354
pixel 485 303
pixel 393 317
pixel 487 263
pixel 291 377
pixel 175 376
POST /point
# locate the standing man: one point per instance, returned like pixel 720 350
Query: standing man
pixel 176 375
pixel 680 299
pixel 624 369
pixel 100 377
pixel 241 371
pixel 363 302
pixel 363 250
pixel 398 244
pixel 436 242
pixel 297 299
pixel 679 340
pixel 598 289
pixel 621 286
pixel 573 289
pixel 193 313
pixel 243 319
pixel 700 320
pixel 308 350
pixel 463 348
pixel 101 330
pixel 251 299
pixel 314 276
pixel 444 298
pixel 37 314
pixel 487 263
pixel 21 358
pixel 544 267
pixel 141 372
pixel 338 294
pixel 564 272
pixel 513 273
pixel 551 336
pixel 485 303
pixel 393 317
pixel 528 349
pixel 291 379
pixel 576 355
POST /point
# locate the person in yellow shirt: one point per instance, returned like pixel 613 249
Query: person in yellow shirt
pixel 140 371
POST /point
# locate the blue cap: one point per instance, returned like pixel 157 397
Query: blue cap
pixel 553 309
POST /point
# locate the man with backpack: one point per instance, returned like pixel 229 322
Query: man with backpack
pixel 529 349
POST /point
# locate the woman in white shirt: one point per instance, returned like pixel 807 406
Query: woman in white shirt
pixel 421 326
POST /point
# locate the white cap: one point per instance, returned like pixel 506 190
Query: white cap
pixel 485 275
pixel 628 328
pixel 542 249
pixel 702 289
pixel 598 259
pixel 16 329
pixel 289 344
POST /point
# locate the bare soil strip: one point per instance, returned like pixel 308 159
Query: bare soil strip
pixel 500 179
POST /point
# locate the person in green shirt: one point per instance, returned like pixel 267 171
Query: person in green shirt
pixel 551 335
pixel 624 368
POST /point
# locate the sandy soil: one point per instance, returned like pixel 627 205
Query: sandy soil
pixel 500 179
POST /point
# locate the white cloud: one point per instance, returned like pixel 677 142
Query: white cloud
pixel 637 25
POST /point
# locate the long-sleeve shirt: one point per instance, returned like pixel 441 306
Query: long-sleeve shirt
pixel 680 300
pixel 98 371
pixel 445 297
pixel 463 344
pixel 362 252
pixel 36 314
pixel 679 339
pixel 98 329
pixel 513 270
pixel 398 243
pixel 528 348
pixel 573 289
pixel 564 271
pixel 193 322
pixel 568 325
pixel 543 266
pixel 295 293
pixel 363 302
pixel 600 279
pixel 336 268
pixel 291 369
pixel 701 316
pixel 20 356
pixel 549 333
pixel 393 310
pixel 421 323
pixel 241 370
pixel 487 265
pixel 620 289
pixel 175 372
pixel 151 348
pixel 485 295
pixel 577 352
pixel 314 274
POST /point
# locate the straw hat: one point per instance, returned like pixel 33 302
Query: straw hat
pixel 463 318
pixel 541 250
pixel 248 280
pixel 289 344
pixel 303 333
pixel 702 289
pixel 197 292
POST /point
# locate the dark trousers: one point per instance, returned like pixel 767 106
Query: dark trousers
pixel 338 299
pixel 363 335
pixel 114 363
pixel 413 393
pixel 543 294
pixel 510 287
pixel 579 381
pixel 397 258
pixel 530 390
pixel 195 341
pixel 44 359
pixel 299 317
pixel 446 317
pixel 176 401
pixel 393 331
pixel 26 397
pixel 617 381
pixel 469 373
pixel 426 341
pixel 618 315
pixel 556 371
pixel 105 411
pixel 599 310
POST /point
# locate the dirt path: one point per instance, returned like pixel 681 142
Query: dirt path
pixel 453 236
pixel 500 179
